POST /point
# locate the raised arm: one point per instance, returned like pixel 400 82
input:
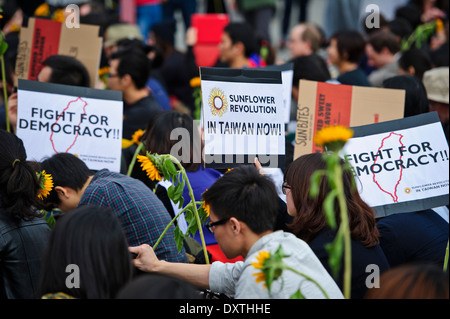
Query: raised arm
pixel 146 260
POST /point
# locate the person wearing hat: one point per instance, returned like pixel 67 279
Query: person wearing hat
pixel 118 32
pixel 437 86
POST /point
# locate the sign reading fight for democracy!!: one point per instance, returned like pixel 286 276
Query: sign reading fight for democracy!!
pixel 53 118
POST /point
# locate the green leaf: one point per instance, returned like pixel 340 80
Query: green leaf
pixel 179 237
pixel 297 295
pixel 170 167
pixel 3 46
pixel 328 207
pixel 315 183
pixel 335 251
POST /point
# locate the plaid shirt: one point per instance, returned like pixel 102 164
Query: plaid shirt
pixel 141 213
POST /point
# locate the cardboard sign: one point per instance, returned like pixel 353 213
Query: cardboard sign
pixel 43 38
pixel 402 165
pixel 243 116
pixel 53 118
pixel 323 104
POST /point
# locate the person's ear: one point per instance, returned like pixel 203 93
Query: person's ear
pixel 126 80
pixel 235 225
pixel 240 48
pixel 62 192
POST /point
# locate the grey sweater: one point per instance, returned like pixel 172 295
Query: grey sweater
pixel 237 279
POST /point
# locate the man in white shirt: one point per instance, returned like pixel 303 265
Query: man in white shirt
pixel 243 208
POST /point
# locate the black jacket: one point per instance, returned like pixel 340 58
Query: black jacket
pixel 22 244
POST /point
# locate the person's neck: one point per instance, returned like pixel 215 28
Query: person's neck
pixel 239 62
pixel 345 67
pixel 251 239
pixel 133 95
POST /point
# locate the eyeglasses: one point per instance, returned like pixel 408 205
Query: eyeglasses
pixel 212 226
pixel 284 188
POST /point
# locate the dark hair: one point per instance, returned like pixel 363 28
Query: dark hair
pixel 384 39
pixel 412 281
pixel 134 62
pixel 157 138
pixel 244 33
pixel 155 286
pixel 350 45
pixel 67 170
pixel 67 70
pixel 92 239
pixel 310 217
pixel 418 59
pixel 400 27
pixel 19 184
pixel 416 100
pixel 247 195
pixel 310 67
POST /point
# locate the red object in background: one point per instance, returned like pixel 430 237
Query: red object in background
pixel 209 33
pixel 218 255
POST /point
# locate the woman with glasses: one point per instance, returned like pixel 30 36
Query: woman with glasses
pixel 310 225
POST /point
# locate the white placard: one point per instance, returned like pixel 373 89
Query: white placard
pixel 64 119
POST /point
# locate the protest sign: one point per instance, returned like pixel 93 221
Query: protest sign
pixel 287 76
pixel 324 104
pixel 402 165
pixel 43 38
pixel 243 116
pixel 54 118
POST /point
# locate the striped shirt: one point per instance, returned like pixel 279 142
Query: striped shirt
pixel 141 213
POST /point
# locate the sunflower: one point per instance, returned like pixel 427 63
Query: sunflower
pixel 206 208
pixel 148 166
pixel 194 82
pixel 262 257
pixel 333 137
pixel 46 182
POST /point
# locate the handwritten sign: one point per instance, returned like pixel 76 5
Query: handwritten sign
pixel 402 165
pixel 324 104
pixel 243 116
pixel 43 38
pixel 55 118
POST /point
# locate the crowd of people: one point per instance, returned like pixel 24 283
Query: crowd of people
pixel 106 223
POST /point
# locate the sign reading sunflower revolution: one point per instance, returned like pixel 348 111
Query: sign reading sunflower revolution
pixel 402 165
pixel 242 117
pixel 54 118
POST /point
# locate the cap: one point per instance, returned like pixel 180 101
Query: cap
pixel 118 32
pixel 436 84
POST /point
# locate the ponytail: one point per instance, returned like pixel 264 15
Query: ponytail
pixel 19 184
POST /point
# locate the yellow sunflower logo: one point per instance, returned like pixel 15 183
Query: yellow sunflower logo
pixel 218 102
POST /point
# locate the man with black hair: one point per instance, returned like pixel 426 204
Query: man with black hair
pixel 238 43
pixel 129 72
pixel 63 69
pixel 141 213
pixel 383 52
pixel 243 208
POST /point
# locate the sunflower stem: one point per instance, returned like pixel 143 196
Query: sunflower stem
pixel 133 161
pixel 307 278
pixel 191 195
pixel 5 92
pixel 345 230
pixel 168 227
